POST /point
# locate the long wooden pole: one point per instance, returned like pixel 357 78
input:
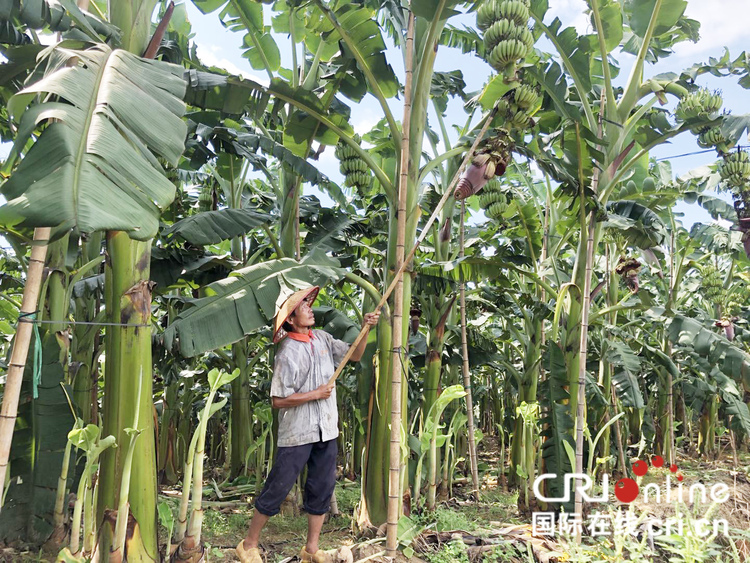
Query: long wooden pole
pixel 586 290
pixel 420 239
pixel 21 348
pixel 465 365
pixel 394 468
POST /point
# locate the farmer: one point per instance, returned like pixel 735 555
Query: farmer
pixel 308 420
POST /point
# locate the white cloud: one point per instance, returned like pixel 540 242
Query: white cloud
pixel 718 27
pixel 211 56
pixel 363 122
pixel 571 13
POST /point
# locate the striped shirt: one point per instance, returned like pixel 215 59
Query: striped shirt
pixel 300 367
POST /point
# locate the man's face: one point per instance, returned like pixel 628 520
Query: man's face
pixel 303 315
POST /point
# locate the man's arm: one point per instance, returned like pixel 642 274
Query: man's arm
pixel 296 399
pixel 369 321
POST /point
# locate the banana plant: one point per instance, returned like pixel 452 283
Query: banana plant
pixel 430 439
pixel 190 544
pixel 87 439
pixel 101 167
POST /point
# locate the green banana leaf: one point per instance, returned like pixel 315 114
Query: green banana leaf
pixel 37 451
pixel 212 227
pixel 336 323
pixel 640 226
pixel 64 16
pixel 731 360
pixel 94 166
pixel 236 96
pixel 245 301
pixel 363 34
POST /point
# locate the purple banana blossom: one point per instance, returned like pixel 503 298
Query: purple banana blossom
pixel 728 327
pixel 472 180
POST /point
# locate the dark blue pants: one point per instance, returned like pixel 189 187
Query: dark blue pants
pixel 320 459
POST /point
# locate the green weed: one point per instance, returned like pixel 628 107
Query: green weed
pixel 452 552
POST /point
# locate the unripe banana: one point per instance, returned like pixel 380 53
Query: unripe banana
pixel 495 210
pixel 507 52
pixel 493 186
pixel 486 15
pixel 206 198
pixel 711 138
pixel 525 97
pixel 499 30
pixel 513 10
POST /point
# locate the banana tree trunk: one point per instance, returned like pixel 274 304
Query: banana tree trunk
pixel 128 364
pixel 364 393
pixel 522 449
pixel 85 342
pixel 127 368
pixel 241 418
pixel 289 226
pixel 374 476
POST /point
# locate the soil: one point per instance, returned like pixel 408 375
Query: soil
pixel 493 524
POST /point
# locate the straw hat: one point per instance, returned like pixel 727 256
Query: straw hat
pixel 289 306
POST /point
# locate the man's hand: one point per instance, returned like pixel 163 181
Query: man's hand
pixel 324 391
pixel 371 319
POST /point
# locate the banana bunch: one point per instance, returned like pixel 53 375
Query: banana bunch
pixel 507 38
pixel 735 169
pixel 355 170
pixel 736 300
pixel 712 137
pixel 700 104
pixel 516 106
pixel 493 199
pixel 712 283
pixel 206 198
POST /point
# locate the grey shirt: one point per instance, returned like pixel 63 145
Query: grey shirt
pixel 300 367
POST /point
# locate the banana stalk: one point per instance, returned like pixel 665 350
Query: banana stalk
pixel 191 545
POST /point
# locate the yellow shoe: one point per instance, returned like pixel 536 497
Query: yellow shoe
pixel 250 555
pixel 343 555
pixel 318 557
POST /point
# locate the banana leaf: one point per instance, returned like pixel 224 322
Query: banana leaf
pixel 243 302
pixel 715 348
pixel 212 227
pixel 640 226
pixel 94 166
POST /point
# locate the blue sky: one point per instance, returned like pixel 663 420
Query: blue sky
pixel 220 47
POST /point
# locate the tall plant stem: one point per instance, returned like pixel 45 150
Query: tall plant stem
pixel 20 351
pixel 465 364
pixel 394 472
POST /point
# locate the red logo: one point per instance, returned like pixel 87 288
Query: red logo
pixel 626 489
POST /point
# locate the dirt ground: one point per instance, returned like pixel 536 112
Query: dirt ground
pixel 492 526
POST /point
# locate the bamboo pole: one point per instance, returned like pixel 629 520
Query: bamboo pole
pixel 394 469
pixel 465 365
pixel 420 239
pixel 583 347
pixel 21 349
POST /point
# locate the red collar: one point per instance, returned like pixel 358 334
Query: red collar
pixel 301 337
